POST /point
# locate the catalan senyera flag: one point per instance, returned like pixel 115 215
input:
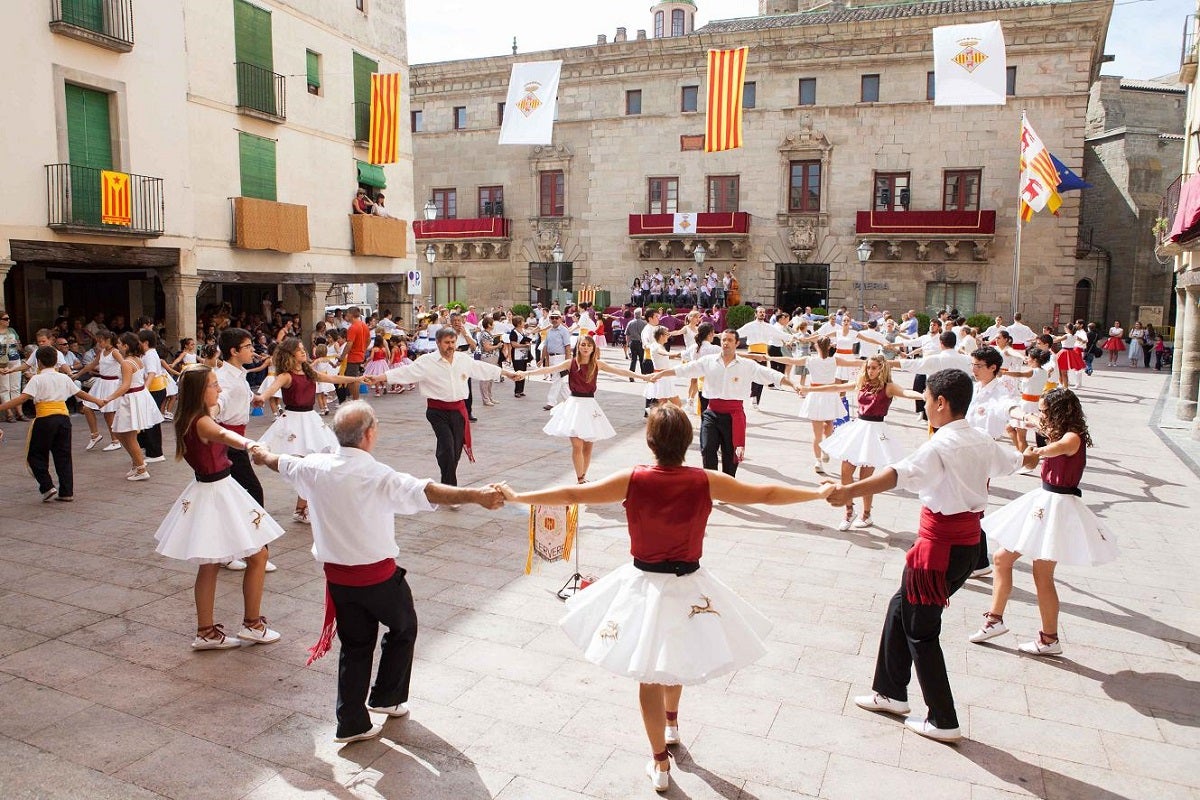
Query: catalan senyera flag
pixel 383 146
pixel 1039 178
pixel 726 76
pixel 115 206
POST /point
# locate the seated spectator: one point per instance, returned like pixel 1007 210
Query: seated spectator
pixel 362 204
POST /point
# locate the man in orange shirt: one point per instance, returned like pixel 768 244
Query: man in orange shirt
pixel 357 338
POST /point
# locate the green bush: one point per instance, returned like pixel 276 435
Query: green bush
pixel 980 321
pixel 523 310
pixel 922 323
pixel 821 312
pixel 737 316
pixel 456 306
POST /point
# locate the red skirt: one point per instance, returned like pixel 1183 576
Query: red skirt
pixel 1070 359
pixel 1114 344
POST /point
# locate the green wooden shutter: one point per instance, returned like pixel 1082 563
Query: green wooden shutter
pixel 89 147
pixel 252 35
pixel 363 69
pixel 84 13
pixel 313 63
pixel 257 160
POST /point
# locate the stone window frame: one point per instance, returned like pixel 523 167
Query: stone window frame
pixel 664 204
pixel 804 145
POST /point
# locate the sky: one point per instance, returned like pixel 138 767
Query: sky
pixel 1145 35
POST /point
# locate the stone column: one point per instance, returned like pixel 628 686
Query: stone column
pixel 181 291
pixel 393 296
pixel 312 305
pixel 5 266
pixel 1177 363
pixel 1189 354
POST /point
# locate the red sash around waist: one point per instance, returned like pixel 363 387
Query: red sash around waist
pixel 1030 398
pixel 240 430
pixel 1018 346
pixel 343 575
pixel 737 411
pixel 929 557
pixel 461 407
pixel 846 352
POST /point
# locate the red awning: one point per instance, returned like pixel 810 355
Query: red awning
pixel 1187 217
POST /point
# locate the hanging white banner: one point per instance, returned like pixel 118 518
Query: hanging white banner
pixel 969 65
pixel 684 223
pixel 532 103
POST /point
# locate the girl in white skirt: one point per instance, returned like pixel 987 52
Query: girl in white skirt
pixel 664 620
pixel 667 389
pixel 215 519
pixel 298 430
pixel 580 417
pixel 135 407
pixel 866 443
pixel 1050 524
pixel 107 367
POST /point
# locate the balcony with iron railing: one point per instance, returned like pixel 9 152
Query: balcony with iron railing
pixel 261 92
pixel 1166 244
pixel 75 200
pixel 1188 55
pixel 362 122
pixel 106 23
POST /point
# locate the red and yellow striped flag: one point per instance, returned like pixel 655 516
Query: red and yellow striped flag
pixel 383 147
pixel 726 77
pixel 115 206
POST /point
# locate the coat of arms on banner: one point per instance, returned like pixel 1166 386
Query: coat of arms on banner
pixel 530 102
pixel 551 533
pixel 969 57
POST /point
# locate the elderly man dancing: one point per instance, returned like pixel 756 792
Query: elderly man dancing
pixel 356 542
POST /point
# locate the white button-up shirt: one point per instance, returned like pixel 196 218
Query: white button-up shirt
pixel 233 404
pixel 990 405
pixel 757 331
pixel 947 359
pixel 352 503
pixel 1020 332
pixel 950 472
pixel 728 381
pixel 443 380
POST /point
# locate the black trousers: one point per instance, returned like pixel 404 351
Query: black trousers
pixel 51 436
pixel 360 612
pixel 647 369
pixel 448 428
pixel 519 365
pixel 150 439
pixel 636 355
pixel 716 436
pixel 1146 349
pixel 243 472
pixel 910 639
pixel 918 387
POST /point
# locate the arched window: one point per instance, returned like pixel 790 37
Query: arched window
pixel 1083 298
pixel 658 24
pixel 677 22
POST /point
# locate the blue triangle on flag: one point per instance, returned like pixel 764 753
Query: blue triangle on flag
pixel 1068 181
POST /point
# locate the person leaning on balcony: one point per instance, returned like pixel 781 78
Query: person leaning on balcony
pixel 380 211
pixel 362 204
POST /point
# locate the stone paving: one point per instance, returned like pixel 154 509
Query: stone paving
pixel 100 696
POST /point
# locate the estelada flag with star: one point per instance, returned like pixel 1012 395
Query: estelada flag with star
pixel 1039 178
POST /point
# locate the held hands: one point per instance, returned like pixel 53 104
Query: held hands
pixel 835 494
pixel 826 489
pixel 257 401
pixel 505 490
pixel 493 496
pixel 258 452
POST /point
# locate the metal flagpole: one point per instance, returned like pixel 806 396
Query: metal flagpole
pixel 1016 284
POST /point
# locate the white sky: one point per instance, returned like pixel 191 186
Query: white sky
pixel 1145 35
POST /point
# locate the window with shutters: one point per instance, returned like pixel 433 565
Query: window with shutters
pixel 364 68
pixel 106 23
pixel 257 86
pixel 89 142
pixel 723 193
pixel 664 196
pixel 689 98
pixel 450 289
pixel 804 187
pixel 960 189
pixel 257 160
pixel 891 191
pixel 491 201
pixel 552 193
pixel 808 91
pixel 446 201
pixel 312 63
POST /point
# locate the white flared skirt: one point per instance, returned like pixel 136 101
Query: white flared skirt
pixel 212 523
pixel 298 433
pixel 1052 527
pixel 102 389
pixel 172 385
pixel 659 628
pixel 136 411
pixel 580 417
pixel 819 406
pixel 661 389
pixel 864 444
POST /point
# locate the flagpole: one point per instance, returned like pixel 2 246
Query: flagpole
pixel 1016 284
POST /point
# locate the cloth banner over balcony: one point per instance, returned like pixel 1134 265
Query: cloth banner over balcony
pixel 704 224
pixel 532 103
pixel 115 204
pixel 926 224
pixel 383 146
pixel 482 228
pixel 969 65
pixel 726 80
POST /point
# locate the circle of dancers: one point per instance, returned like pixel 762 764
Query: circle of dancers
pixel 662 620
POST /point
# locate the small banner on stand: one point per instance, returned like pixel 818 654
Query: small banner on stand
pixel 114 198
pixel 552 532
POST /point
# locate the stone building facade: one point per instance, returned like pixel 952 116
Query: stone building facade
pixel 1133 151
pixel 194 100
pixel 842 142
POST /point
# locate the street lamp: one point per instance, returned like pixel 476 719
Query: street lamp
pixel 557 254
pixel 699 253
pixel 864 254
pixel 430 256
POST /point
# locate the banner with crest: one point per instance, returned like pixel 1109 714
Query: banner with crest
pixel 969 65
pixel 532 103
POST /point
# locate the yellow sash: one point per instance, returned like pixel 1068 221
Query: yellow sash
pixel 157 384
pixel 758 348
pixel 48 408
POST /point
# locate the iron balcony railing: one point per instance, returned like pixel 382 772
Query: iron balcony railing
pixel 110 19
pixel 73 196
pixel 362 122
pixel 261 90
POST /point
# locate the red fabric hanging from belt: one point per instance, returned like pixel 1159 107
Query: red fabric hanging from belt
pixel 461 407
pixel 929 557
pixel 343 575
pixel 735 409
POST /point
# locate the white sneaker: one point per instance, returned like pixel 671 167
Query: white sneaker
pixel 270 567
pixel 819 468
pixel 845 524
pixel 93 441
pixel 139 474
pixel 992 628
pixel 168 416
pixel 108 448
pixel 1036 648
pixel 156 459
pixel 398 710
pixel 671 732
pixel 877 702
pixel 660 780
pixel 237 565
pixel 214 638
pixel 927 729
pixel 369 733
pixel 863 522
pixel 982 572
pixel 49 494
pixel 263 635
